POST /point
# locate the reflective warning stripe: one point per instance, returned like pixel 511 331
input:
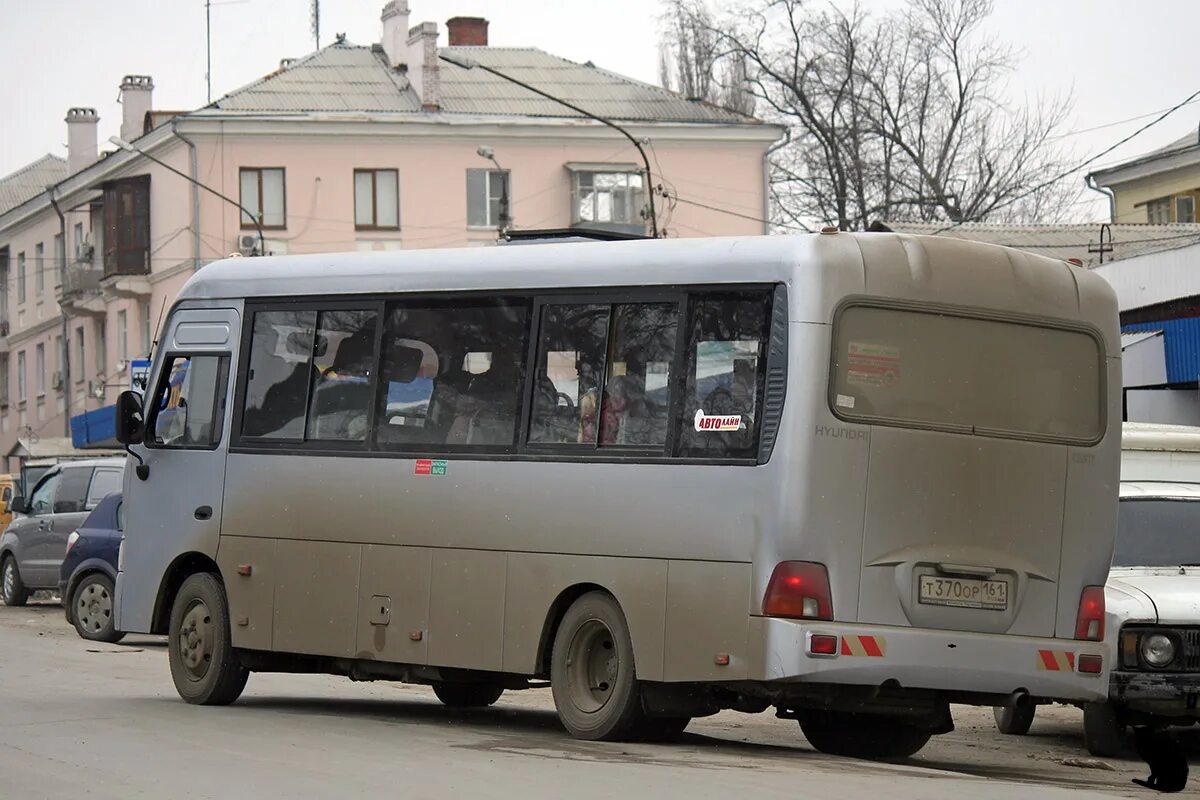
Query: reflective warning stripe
pixel 1056 660
pixel 869 646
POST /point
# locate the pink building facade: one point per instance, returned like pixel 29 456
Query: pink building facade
pixel 398 145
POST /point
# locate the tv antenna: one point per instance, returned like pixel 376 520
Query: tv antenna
pixel 208 4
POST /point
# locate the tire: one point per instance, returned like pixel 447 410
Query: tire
pixel 1103 730
pixel 467 695
pixel 872 736
pixel 91 607
pixel 12 588
pixel 592 674
pixel 204 665
pixel 1014 719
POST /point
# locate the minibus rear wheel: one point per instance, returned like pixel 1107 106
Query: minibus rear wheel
pixel 592 674
pixel 874 736
pixel 204 666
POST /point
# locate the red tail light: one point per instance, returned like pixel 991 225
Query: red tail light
pixel 799 590
pixel 1089 624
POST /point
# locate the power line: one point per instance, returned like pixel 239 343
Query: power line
pixel 1079 166
pixel 1115 124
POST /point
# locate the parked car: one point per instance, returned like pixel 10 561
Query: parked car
pixel 7 490
pixel 33 545
pixel 89 572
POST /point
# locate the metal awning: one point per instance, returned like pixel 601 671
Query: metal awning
pixel 1143 359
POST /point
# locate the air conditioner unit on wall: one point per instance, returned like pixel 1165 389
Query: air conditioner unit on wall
pixel 56 382
pixel 247 244
pixel 85 251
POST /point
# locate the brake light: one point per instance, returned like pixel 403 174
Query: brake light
pixel 799 590
pixel 1089 624
pixel 72 539
pixel 823 644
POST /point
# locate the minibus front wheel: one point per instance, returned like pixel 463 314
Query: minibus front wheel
pixel 874 736
pixel 204 665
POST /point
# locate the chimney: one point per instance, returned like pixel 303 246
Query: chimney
pixel 135 103
pixel 81 138
pixel 467 31
pixel 422 62
pixel 395 32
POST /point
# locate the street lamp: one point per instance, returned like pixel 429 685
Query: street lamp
pixel 124 145
pixel 505 218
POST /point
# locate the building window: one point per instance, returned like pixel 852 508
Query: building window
pixel 60 257
pixel 39 367
pixel 145 311
pixel 122 336
pixel 20 277
pixel 57 382
pixel 39 266
pixel 127 226
pixel 1185 209
pixel 485 189
pixel 101 344
pixel 376 199
pixel 21 377
pixel 1158 212
pixel 79 241
pixel 607 198
pixel 81 353
pixel 264 195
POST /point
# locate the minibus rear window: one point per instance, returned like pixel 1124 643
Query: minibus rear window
pixel 965 374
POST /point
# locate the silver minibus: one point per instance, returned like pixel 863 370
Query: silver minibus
pixel 850 477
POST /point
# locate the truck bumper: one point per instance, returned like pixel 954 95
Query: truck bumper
pixel 914 658
pixel 1164 694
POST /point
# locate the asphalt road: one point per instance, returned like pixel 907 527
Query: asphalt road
pixel 80 719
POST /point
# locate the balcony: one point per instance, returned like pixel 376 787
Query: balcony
pixel 80 290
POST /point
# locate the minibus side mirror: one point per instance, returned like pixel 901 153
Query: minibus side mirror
pixel 17 505
pixel 131 427
pixel 131 423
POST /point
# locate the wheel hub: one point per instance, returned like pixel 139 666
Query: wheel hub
pixel 593 666
pixel 196 640
pixel 95 607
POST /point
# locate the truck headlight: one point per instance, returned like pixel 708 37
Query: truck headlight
pixel 1157 649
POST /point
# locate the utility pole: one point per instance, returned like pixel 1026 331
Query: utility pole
pixel 315 21
pixel 208 46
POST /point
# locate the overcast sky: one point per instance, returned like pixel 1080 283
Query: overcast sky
pixel 1118 58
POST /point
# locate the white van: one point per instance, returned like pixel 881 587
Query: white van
pixel 1152 596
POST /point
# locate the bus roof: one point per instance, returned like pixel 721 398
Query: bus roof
pixel 823 268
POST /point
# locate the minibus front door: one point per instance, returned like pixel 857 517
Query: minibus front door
pixel 175 513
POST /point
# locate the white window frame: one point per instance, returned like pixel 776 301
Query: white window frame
pixel 39 366
pixel 21 387
pixel 1191 205
pixel 493 222
pixel 123 336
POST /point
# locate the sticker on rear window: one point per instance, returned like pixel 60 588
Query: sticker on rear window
pixel 844 401
pixel 870 364
pixel 720 422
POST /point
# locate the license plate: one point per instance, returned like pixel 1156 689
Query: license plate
pixel 963 592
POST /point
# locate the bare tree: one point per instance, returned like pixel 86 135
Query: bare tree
pixel 691 61
pixel 897 117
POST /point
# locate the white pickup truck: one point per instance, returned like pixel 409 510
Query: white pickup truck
pixel 1152 596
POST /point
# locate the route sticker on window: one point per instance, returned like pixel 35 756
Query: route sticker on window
pixel 844 401
pixel 870 364
pixel 427 466
pixel 722 422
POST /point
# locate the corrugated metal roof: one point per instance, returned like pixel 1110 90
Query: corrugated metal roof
pixel 30 181
pixel 1181 346
pixel 1066 241
pixel 347 78
pixel 338 78
pixel 1130 338
pixel 1154 278
pixel 604 93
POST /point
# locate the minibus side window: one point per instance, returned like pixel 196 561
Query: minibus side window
pixel 281 372
pixel 726 359
pixel 341 394
pixel 188 408
pixel 569 373
pixel 451 374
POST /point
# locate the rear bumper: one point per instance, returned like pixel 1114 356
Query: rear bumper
pixel 916 658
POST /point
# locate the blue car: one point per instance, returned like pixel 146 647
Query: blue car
pixel 89 572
